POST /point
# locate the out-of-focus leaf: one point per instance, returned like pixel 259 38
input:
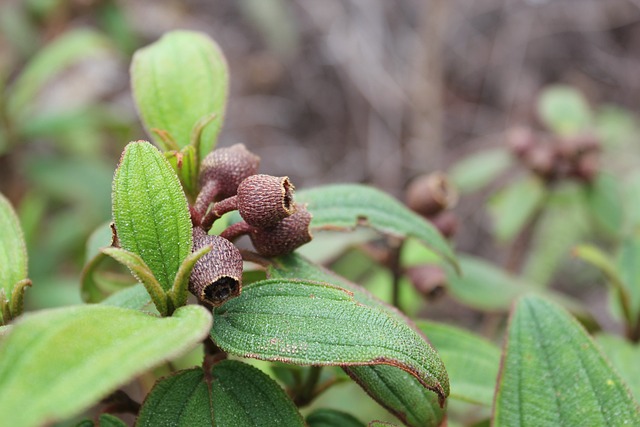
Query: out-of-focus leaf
pixel 553 374
pixel 150 211
pixel 343 332
pixel 71 47
pixel 18 30
pixel 564 224
pixel 94 350
pixel 13 252
pixel 237 395
pixel 134 297
pixel 631 193
pixel 344 206
pixel 628 267
pixel 624 357
pixel 472 362
pixel 84 182
pixel 604 263
pixel 604 204
pixel 514 205
pixel 177 81
pixel 274 20
pixel 564 110
pixel 615 126
pixel 331 418
pixel 400 393
pixel 479 169
pixel 484 286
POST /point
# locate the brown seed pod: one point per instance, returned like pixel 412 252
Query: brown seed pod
pixel 265 200
pixel 429 280
pixel 447 223
pixel 217 276
pixel 286 236
pixel 520 140
pixel 430 194
pixel 542 160
pixel 227 167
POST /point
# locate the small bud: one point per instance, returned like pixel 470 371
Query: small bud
pixel 265 200
pixel 217 276
pixel 227 167
pixel 447 223
pixel 429 280
pixel 520 141
pixel 587 166
pixel 542 160
pixel 286 236
pixel 431 194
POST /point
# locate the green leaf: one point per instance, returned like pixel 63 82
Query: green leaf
pixel 236 395
pixel 472 362
pixel 108 420
pixel 344 206
pixel 479 169
pixel 325 417
pixel 177 81
pixel 484 286
pixel 564 110
pixel 70 48
pixel 604 204
pixel 134 297
pixel 400 393
pixel 628 267
pixel 180 289
pixel 150 211
pixel 185 164
pixel 13 253
pixel 553 374
pixel 56 363
pixel 312 323
pixel 381 424
pixel 624 356
pixel 599 259
pixel 144 274
pixel 514 206
pixel 294 266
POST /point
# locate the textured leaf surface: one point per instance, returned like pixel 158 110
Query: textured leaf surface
pixel 313 323
pixel 56 363
pixel 13 252
pixel 400 393
pixel 238 395
pixel 177 81
pixel 472 362
pixel 553 374
pixel 332 418
pixel 150 211
pixel 344 206
pixel 294 266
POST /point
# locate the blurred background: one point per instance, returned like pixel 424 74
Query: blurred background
pixel 372 91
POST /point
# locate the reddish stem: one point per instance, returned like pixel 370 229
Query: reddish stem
pixel 220 208
pixel 235 231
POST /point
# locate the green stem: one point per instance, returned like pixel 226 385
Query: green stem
pixel 307 391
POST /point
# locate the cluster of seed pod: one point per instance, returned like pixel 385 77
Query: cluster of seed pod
pixel 275 224
pixel 432 196
pixel 554 158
